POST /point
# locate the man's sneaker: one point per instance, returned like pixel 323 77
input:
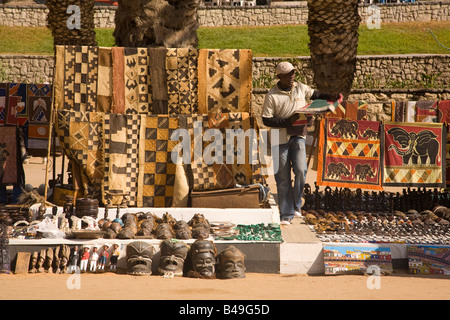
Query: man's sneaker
pixel 285 222
pixel 298 213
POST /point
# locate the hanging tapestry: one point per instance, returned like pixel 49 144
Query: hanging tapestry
pixel 225 80
pixel 350 154
pixel 157 63
pixel 105 80
pixel 3 100
pixel 80 136
pixel 39 102
pixel 414 154
pixel 158 171
pixel 182 80
pixel 121 135
pixel 349 110
pixel 426 111
pixel 9 157
pixel 118 74
pixel 398 111
pixel 138 86
pixel 444 111
pixel 410 111
pixel 17 111
pixel 39 108
pixel 238 143
pixel 356 110
pixel 204 176
pixel 80 78
pixel 58 79
pixel 444 117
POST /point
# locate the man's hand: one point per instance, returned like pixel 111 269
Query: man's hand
pixel 294 117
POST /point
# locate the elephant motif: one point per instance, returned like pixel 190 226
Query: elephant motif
pixel 370 134
pixel 346 128
pixel 364 171
pixel 337 170
pixel 414 146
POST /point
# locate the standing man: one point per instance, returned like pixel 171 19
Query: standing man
pixel 279 108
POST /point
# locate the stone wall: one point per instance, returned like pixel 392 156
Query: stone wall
pixel 19 15
pixel 26 68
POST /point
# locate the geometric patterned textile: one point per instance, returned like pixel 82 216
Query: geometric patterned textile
pixel 225 80
pixel 350 154
pixel 350 110
pixel 204 176
pixel 414 154
pixel 121 133
pixel 80 134
pixel 216 171
pixel 234 127
pixel 182 80
pixel 80 78
pixel 158 174
pixel 137 81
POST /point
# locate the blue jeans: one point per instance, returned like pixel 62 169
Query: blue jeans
pixel 292 155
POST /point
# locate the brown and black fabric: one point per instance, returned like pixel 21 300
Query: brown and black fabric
pixel 80 78
pixel 121 143
pixel 118 74
pixel 80 135
pixel 211 170
pixel 225 80
pixel 182 80
pixel 137 81
pixel 204 176
pixel 105 80
pixel 157 73
pixel 235 126
pixel 157 170
pixel 9 155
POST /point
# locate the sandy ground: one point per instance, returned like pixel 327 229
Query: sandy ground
pixel 254 287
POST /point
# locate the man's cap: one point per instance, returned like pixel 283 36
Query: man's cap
pixel 284 67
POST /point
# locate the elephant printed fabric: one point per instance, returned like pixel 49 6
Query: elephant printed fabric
pixel 350 154
pixel 414 154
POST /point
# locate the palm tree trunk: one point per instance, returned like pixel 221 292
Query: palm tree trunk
pixel 157 23
pixel 63 22
pixel 333 32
